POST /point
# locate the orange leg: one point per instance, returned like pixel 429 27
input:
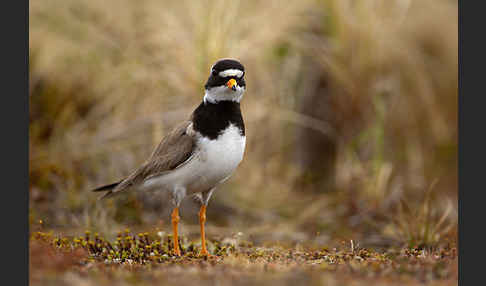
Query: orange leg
pixel 202 220
pixel 175 221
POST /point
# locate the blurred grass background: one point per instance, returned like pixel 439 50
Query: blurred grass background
pixel 351 114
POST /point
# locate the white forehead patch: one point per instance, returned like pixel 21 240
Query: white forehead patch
pixel 231 72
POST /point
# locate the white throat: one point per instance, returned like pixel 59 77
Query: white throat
pixel 222 93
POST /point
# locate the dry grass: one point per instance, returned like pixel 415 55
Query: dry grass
pixel 110 78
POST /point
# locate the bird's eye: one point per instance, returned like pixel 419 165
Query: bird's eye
pixel 214 72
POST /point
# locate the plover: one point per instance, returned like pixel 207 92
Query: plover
pixel 200 153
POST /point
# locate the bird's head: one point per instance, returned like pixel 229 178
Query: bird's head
pixel 226 81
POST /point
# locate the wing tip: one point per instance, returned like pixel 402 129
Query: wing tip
pixel 105 188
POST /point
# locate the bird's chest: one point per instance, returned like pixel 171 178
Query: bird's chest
pixel 220 157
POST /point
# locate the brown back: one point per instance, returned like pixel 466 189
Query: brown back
pixel 174 149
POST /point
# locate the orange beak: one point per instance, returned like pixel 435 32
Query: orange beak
pixel 231 84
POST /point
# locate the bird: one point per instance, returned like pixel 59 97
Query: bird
pixel 198 154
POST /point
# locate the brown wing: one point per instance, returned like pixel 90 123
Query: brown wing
pixel 175 149
pixel 172 151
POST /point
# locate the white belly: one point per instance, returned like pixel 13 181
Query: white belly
pixel 213 162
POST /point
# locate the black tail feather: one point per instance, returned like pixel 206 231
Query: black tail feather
pixel 106 187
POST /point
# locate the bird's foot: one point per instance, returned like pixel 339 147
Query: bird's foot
pixel 205 253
